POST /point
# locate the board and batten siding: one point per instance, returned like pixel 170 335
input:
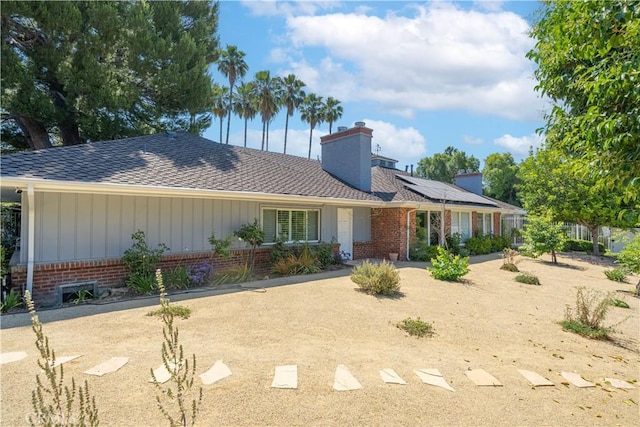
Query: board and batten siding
pixel 71 226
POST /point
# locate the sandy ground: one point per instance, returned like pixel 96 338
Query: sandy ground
pixel 491 322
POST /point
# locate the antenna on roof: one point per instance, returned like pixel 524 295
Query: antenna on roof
pixel 377 149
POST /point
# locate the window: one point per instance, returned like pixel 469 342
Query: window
pixel 485 223
pixel 461 223
pixel 291 225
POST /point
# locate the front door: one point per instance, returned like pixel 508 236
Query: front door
pixel 345 232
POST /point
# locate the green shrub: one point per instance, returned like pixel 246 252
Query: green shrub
pixel 140 262
pixel 619 303
pixel 305 263
pixel 10 300
pixel 588 317
pixel 220 247
pixel 617 274
pixel 416 327
pixel 176 278
pixel 577 245
pixel 453 243
pixel 629 258
pixel 499 243
pixel 423 252
pixel 447 266
pixel 542 236
pixel 376 279
pixel 527 278
pixel 480 245
pixel 323 252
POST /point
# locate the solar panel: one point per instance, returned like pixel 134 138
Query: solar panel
pixel 437 190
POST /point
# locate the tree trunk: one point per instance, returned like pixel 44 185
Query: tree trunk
pixel 70 133
pixel 310 137
pixel 594 240
pixel 34 131
pixel 245 132
pixel 68 127
pixel 553 256
pixel 286 129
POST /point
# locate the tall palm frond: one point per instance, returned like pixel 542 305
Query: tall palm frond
pixel 231 63
pixel 312 112
pixel 332 111
pixel 292 97
pixel 245 105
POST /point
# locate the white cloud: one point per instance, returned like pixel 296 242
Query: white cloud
pixel 436 57
pixel 406 145
pixel 472 140
pixel 519 146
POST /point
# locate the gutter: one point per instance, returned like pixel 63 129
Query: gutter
pixel 31 237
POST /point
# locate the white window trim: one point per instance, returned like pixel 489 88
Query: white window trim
pixel 469 230
pixel 291 209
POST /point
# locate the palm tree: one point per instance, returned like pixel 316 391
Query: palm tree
pixel 292 96
pixel 311 111
pixel 245 105
pixel 332 111
pixel 220 107
pixel 266 93
pixel 232 65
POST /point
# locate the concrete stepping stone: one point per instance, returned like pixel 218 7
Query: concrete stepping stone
pixel 64 359
pixel 108 367
pixel 390 376
pixel 161 373
pixel 286 376
pixel 216 373
pixel 534 378
pixel 480 377
pixel 13 356
pixel 344 381
pixel 576 380
pixel 619 383
pixel 433 377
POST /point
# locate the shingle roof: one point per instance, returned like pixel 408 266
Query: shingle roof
pixel 182 161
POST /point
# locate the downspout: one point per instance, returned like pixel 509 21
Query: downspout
pixel 31 237
pixel 408 231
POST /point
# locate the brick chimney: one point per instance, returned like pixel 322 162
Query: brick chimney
pixel 346 155
pixel 469 180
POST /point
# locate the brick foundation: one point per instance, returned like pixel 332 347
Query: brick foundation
pixel 110 273
pixel 362 250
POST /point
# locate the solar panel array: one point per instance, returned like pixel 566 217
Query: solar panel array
pixel 437 190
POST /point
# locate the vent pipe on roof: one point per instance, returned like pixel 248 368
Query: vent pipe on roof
pixel 359 124
pixel 406 168
pixel 342 128
pixel 411 170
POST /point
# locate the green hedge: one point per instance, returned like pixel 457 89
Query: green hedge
pixel 575 245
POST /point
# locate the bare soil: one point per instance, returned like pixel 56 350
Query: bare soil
pixel 489 322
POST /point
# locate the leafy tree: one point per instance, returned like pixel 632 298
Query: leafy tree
pixel 332 111
pixel 311 111
pixel 220 105
pixel 245 105
pixel 86 71
pixel 267 93
pixel 551 182
pixel 500 177
pixel 587 53
pixel 292 97
pixel 232 65
pixel 542 235
pixel 444 166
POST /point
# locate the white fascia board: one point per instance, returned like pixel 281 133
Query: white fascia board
pixel 42 185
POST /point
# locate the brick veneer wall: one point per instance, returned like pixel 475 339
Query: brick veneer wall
pixel 389 231
pixel 362 250
pixel 111 272
pixel 496 223
pixel 474 223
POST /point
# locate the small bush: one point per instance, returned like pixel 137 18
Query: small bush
pixel 453 243
pixel 176 278
pixel 174 309
pixel 305 263
pixel 200 274
pixel 629 258
pixel 509 261
pixel 416 327
pixel 140 262
pixel 424 252
pixel 10 300
pixel 577 245
pixel 235 274
pixel 617 274
pixel 376 279
pixel 449 267
pixel 527 278
pixel 588 317
pixel 142 284
pixel 619 303
pixel 480 245
pixel 499 243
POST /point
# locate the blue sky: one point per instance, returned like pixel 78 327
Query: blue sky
pixel 422 75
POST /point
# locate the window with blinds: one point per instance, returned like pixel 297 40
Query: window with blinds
pixel 291 225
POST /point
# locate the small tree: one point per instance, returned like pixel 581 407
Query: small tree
pixel 629 259
pixel 253 235
pixel 542 236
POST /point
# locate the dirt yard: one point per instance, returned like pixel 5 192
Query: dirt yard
pixel 491 322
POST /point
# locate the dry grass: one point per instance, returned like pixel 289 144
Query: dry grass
pixel 493 324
